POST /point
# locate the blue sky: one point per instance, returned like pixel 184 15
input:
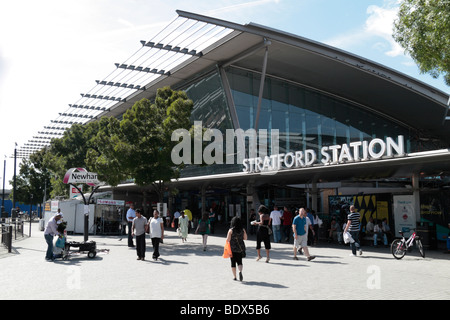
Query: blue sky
pixel 53 50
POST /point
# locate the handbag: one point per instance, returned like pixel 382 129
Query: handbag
pixel 227 251
pixel 60 242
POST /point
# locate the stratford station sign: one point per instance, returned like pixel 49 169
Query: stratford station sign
pixel 375 149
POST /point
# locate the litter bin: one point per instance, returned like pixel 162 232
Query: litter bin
pixel 427 233
pixel 41 224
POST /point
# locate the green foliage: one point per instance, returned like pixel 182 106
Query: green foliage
pixel 139 146
pixel 33 179
pixel 423 30
pixel 105 157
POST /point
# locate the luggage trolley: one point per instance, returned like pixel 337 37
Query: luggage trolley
pixel 84 247
pixel 88 247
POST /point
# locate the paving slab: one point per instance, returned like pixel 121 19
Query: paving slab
pixel 186 272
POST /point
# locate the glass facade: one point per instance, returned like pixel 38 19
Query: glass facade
pixel 308 119
pixel 305 118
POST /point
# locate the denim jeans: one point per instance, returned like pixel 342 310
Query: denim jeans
pixel 355 236
pixel 375 239
pixel 276 228
pixel 49 240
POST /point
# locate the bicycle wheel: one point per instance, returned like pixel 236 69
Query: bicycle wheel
pixel 420 246
pixel 398 248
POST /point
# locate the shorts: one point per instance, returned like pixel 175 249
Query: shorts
pixel 236 259
pixel 263 236
pixel 301 241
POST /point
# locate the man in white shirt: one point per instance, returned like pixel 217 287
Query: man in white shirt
pixel 131 214
pixel 275 222
pixel 50 231
pixel 176 216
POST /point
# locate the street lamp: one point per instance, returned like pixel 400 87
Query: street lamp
pixel 14 184
pixel 31 208
pixel 3 195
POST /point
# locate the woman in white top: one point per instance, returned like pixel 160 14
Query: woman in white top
pixel 183 222
pixel 156 233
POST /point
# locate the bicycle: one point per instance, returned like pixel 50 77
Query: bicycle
pixel 400 246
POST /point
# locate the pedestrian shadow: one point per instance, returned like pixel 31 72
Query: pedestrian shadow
pixel 264 284
pixel 77 259
pixel 165 261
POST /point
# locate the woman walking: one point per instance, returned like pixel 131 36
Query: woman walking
pixel 156 233
pixel 204 227
pixel 236 236
pixel 183 222
pixel 263 232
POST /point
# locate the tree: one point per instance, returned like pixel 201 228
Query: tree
pixel 105 158
pixel 32 179
pixel 69 152
pixel 423 30
pixel 139 146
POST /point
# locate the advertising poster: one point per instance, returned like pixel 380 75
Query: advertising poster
pixel 404 214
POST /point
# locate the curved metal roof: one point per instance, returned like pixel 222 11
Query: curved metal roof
pixel 318 66
pixel 193 43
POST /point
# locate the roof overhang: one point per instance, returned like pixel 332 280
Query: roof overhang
pixel 431 163
pixel 422 163
pixel 317 66
pixel 218 42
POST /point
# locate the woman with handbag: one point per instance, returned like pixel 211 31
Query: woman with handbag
pixel 236 236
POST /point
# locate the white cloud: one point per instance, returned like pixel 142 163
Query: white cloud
pixel 238 8
pixel 380 24
pixel 377 30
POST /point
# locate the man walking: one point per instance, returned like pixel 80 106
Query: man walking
pixel 131 214
pixel 300 227
pixel 353 222
pixel 138 229
pixel 275 222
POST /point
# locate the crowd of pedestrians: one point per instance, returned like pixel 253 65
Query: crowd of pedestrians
pixel 281 225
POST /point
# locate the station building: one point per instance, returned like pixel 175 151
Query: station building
pixel 332 128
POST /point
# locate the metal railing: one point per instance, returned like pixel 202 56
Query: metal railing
pixel 11 228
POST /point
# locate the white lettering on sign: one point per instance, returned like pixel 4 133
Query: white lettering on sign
pixel 330 155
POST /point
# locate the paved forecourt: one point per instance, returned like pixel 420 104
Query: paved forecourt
pixel 186 272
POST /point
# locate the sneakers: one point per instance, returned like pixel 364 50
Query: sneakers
pixel 354 255
pixel 308 259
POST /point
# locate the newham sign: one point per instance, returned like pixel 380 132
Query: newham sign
pixel 374 149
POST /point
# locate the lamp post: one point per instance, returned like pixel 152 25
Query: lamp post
pixel 31 208
pixel 3 195
pixel 14 183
